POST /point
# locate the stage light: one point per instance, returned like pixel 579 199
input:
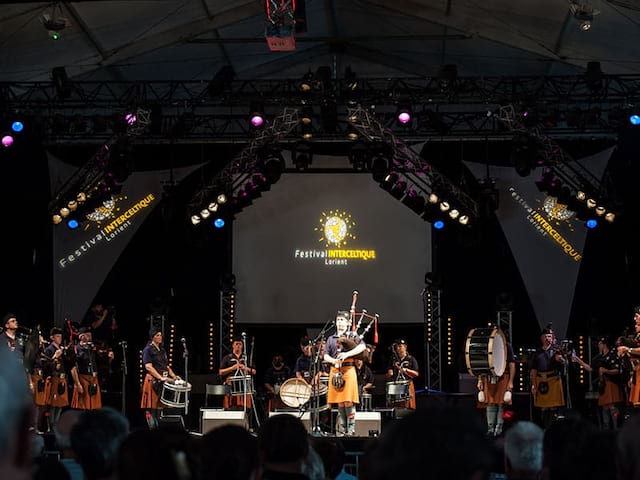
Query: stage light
pixel 580 195
pixel 453 213
pixel 379 168
pixel 213 207
pixel 600 210
pixel 359 156
pixel 591 223
pixel 7 140
pixel 463 219
pixel 306 115
pixel 444 206
pixel 438 224
pixel 302 156
pixel 73 205
pixel 81 197
pixel 610 217
pixel 256 114
pixel 64 212
pixel 403 114
pixel 195 219
pixel 591 203
pixel 218 223
pixel 222 198
pixel 131 118
pixel 398 189
pixel 205 213
pixel 433 198
pixel 56 219
pixel 272 165
pixel 634 119
pixel 72 224
pixel 306 84
pixel 17 126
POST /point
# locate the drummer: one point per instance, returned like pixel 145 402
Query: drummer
pixel 234 365
pixel 365 382
pixel 274 377
pixel 156 363
pixel 403 368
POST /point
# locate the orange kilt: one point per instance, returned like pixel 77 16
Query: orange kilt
pixel 349 392
pixel 549 391
pixel 150 399
pixel 84 401
pixel 40 397
pixel 612 393
pixel 494 392
pixel 56 399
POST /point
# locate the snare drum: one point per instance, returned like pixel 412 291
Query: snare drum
pixel 237 385
pixel 397 391
pixel 175 394
pixel 485 351
pixel 366 400
pixel 295 392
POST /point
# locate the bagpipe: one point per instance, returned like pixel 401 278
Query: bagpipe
pixel 349 342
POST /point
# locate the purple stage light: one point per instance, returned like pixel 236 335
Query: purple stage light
pixel 404 117
pixel 7 141
pixel 131 118
pixel 257 120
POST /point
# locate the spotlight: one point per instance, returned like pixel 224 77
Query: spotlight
pixel 72 224
pixel 591 223
pixel 453 213
pixel 222 198
pixel 64 212
pixel 256 115
pixel 213 207
pixel 433 198
pixel 444 206
pixel 195 219
pixel 610 217
pixel 205 213
pixel 56 219
pixel 7 140
pixel 379 168
pixel 403 114
pixel 359 157
pixel 634 119
pixel 398 189
pixel 72 205
pixel 583 13
pixel 591 203
pixel 600 210
pixel 306 130
pixel 218 223
pixel 272 165
pixel 306 115
pixel 463 219
pixel 17 126
pixel 81 197
pixel 438 224
pixel 306 84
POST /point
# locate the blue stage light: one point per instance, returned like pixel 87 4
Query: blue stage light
pixel 591 223
pixel 634 119
pixel 218 223
pixel 72 223
pixel 438 224
pixel 17 126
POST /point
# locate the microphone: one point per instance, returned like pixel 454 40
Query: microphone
pixel 183 340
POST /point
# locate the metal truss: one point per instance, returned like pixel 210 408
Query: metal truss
pixel 404 159
pixel 504 321
pixel 245 162
pixel 227 318
pixel 433 336
pixel 190 111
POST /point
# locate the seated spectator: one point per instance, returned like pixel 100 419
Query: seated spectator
pixel 96 439
pixel 628 446
pixel 16 416
pixel 62 431
pixel 442 441
pixel 283 447
pixel 229 452
pixel 523 451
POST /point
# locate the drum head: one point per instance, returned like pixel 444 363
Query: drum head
pixel 499 351
pixel 295 392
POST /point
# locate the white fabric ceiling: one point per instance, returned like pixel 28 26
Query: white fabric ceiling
pixel 192 39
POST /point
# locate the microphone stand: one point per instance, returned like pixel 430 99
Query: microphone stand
pixel 123 375
pixel 185 355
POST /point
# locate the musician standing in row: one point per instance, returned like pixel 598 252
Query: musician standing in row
pixel 494 390
pixel 608 366
pixel 235 365
pixel 86 391
pixel 404 367
pixel 545 372
pixel 631 349
pixel 9 337
pixel 343 384
pixel 365 382
pixel 156 364
pixel 57 383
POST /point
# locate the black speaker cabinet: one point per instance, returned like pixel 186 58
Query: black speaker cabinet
pixel 211 418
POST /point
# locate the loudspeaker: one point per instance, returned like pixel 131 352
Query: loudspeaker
pixel 306 417
pixel 212 418
pixel 368 424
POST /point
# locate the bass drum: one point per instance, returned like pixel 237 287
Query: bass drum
pixel 295 392
pixel 485 352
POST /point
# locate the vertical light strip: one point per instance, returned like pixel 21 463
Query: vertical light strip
pixel 172 338
pixel 429 315
pixel 449 341
pixel 141 369
pixel 211 364
pixel 581 377
pixel 232 314
pixel 520 370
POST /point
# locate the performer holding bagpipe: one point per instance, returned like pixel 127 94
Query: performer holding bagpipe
pixel 341 350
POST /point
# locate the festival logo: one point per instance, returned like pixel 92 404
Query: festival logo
pixel 336 230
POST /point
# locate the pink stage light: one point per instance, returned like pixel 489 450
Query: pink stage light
pixel 404 117
pixel 131 118
pixel 7 141
pixel 257 120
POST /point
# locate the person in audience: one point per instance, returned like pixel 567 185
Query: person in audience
pixel 523 451
pixel 332 453
pixel 562 446
pixel 440 442
pixel 16 417
pixel 283 447
pixel 62 432
pixel 313 467
pixel 170 453
pixel 96 439
pixel 229 452
pixel 627 448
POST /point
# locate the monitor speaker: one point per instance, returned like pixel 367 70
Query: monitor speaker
pixel 368 424
pixel 212 418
